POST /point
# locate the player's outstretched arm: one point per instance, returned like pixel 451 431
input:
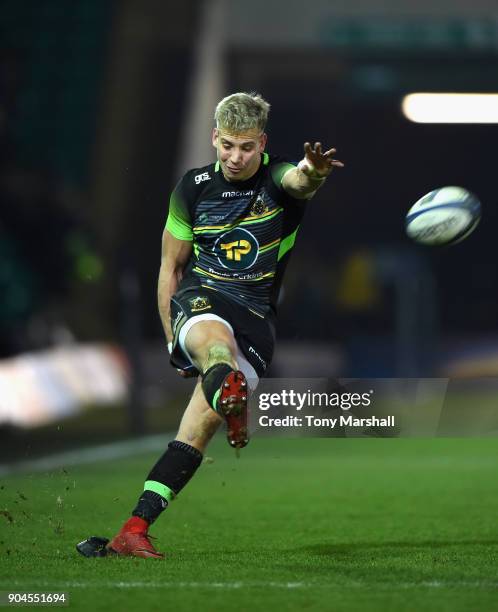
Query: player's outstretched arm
pixel 175 255
pixel 311 172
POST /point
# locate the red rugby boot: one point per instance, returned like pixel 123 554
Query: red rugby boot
pixel 232 404
pixel 133 541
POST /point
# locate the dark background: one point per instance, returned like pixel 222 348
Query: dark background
pixel 95 100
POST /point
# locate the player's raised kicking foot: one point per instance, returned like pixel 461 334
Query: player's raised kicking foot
pixel 232 404
pixel 225 390
pixel 133 541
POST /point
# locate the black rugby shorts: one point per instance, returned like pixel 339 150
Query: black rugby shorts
pixel 254 334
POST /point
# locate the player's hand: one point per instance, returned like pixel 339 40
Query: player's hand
pixel 316 163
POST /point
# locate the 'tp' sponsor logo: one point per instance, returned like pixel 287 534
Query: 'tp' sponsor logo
pixel 237 249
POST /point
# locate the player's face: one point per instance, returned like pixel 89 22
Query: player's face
pixel 239 154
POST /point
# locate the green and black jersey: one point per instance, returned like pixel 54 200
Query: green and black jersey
pixel 242 232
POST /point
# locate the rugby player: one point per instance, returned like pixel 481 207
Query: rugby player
pixel 229 233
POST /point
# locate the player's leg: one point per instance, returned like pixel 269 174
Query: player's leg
pixel 209 344
pixel 167 478
pixel 212 348
pixel 199 421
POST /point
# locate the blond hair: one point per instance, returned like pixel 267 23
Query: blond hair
pixel 241 112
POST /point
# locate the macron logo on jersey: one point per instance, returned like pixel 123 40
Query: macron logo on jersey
pixel 237 194
pixel 200 178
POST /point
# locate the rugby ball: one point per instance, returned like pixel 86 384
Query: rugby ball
pixel 443 216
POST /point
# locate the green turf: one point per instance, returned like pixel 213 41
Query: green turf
pixel 313 524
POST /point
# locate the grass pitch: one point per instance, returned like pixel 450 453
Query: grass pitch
pixel 313 524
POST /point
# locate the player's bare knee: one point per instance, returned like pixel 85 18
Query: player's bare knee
pixel 219 352
pixel 210 341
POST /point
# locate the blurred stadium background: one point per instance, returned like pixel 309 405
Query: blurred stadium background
pixel 103 104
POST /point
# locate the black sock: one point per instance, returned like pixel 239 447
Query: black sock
pixel 212 380
pixel 166 479
pixel 150 505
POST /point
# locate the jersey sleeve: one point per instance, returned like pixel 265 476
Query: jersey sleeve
pixel 179 222
pixel 278 170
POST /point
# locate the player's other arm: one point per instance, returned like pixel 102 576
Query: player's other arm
pixel 302 181
pixel 175 251
pixel 175 255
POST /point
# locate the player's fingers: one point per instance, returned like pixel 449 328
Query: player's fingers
pixel 318 148
pixel 336 162
pixel 307 148
pixel 330 152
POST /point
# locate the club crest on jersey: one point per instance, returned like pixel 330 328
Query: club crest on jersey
pixel 259 207
pixel 199 303
pixel 237 249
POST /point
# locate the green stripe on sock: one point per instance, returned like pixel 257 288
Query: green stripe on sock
pixel 215 400
pixel 160 489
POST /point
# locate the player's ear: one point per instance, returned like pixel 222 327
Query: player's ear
pixel 214 137
pixel 262 142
